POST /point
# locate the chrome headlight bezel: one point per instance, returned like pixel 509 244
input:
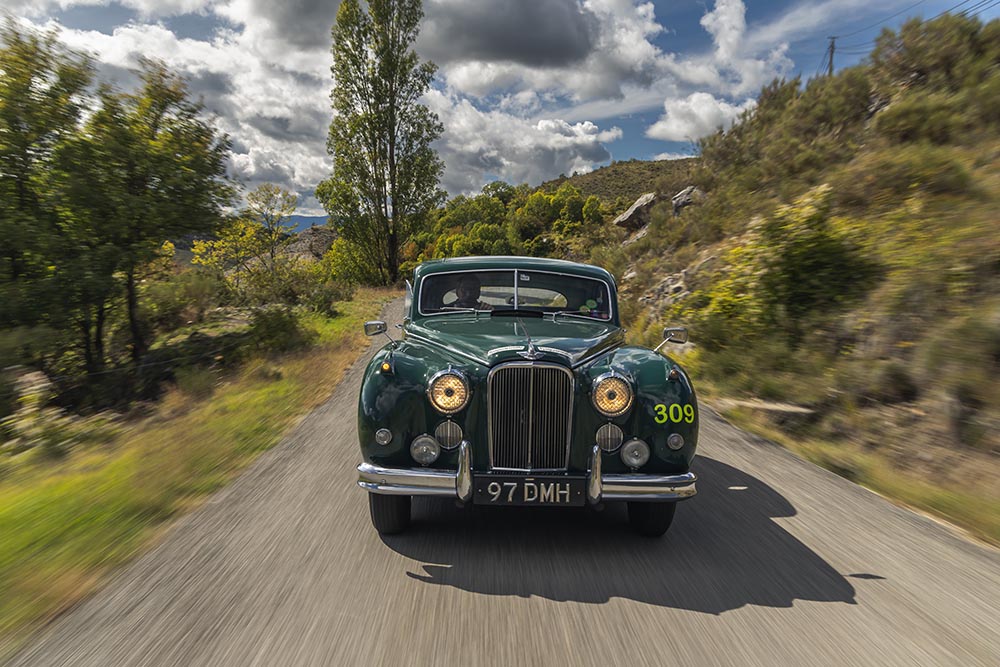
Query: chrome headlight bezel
pixel 465 386
pixel 595 386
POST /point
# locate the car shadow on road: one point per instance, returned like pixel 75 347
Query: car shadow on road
pixel 723 551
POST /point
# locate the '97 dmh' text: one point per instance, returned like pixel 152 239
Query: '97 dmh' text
pixel 531 492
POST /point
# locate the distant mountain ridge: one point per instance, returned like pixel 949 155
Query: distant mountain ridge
pixel 303 222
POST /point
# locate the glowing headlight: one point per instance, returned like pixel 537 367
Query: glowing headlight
pixel 448 392
pixel 612 395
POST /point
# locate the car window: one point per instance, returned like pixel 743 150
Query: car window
pixel 541 291
pixel 461 290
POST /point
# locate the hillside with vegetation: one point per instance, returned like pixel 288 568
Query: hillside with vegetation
pixel 841 276
pixel 847 261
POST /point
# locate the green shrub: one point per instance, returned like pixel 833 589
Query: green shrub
pixel 196 381
pixel 983 103
pixel 921 117
pixel 892 383
pixel 352 264
pixel 882 177
pixel 277 329
pixel 182 298
pixel 323 296
pixel 39 427
pixel 940 55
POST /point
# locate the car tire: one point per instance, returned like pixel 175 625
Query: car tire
pixel 390 514
pixel 651 519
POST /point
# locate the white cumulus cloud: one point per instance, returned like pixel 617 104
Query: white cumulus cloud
pixel 694 117
pixel 478 146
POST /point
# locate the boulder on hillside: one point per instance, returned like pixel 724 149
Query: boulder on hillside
pixel 689 195
pixel 638 213
pixel 312 243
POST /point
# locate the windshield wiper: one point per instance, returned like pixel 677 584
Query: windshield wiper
pixel 459 309
pixel 570 313
pixel 453 310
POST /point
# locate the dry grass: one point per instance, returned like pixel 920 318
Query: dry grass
pixel 65 525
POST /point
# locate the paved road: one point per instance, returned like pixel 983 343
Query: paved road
pixel 776 562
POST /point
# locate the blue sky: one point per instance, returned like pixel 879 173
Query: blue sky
pixel 526 89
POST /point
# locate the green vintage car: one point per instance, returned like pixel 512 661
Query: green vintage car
pixel 512 385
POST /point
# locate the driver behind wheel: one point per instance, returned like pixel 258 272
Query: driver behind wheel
pixel 468 291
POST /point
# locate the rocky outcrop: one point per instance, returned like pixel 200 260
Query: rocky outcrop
pixel 668 290
pixel 636 236
pixel 312 243
pixel 673 287
pixel 686 197
pixel 637 215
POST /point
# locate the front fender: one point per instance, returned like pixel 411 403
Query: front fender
pixel 657 411
pixel 397 400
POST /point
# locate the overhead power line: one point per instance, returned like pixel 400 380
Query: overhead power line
pixel 967 9
pixel 990 6
pixel 877 23
pixel 975 9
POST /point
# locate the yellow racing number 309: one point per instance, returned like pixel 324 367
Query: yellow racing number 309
pixel 675 413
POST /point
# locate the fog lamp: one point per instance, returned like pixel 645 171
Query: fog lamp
pixel 635 453
pixel 612 395
pixel 675 441
pixel 425 450
pixel 449 434
pixel 383 436
pixel 609 437
pixel 448 391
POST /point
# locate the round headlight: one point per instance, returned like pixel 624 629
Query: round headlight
pixel 612 395
pixel 448 392
pixel 635 453
pixel 425 450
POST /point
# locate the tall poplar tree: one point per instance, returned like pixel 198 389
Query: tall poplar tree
pixel 385 173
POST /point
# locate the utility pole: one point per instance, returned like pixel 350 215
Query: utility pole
pixel 830 50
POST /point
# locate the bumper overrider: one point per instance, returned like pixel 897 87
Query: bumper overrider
pixel 458 483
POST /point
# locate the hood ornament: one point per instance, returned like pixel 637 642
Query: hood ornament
pixel 532 352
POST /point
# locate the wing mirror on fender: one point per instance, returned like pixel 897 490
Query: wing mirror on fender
pixel 677 335
pixel 375 327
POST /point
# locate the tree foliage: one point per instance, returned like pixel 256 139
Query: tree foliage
pixel 247 251
pixel 385 172
pixel 41 88
pixel 88 201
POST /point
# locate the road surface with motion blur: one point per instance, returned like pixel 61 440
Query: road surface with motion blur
pixel 775 562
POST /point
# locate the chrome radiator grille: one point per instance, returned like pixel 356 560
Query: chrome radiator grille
pixel 529 415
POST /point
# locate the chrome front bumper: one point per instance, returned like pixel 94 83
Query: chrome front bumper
pixel 458 483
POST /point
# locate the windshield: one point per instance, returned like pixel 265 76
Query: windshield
pixel 534 291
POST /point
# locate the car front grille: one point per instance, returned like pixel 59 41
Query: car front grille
pixel 530 407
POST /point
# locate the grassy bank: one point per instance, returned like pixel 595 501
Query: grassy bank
pixel 964 503
pixel 64 525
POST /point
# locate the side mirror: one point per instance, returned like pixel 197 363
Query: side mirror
pixel 675 335
pixel 375 327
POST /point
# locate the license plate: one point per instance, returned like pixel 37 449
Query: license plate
pixel 513 490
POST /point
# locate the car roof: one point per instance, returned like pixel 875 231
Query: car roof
pixel 499 262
